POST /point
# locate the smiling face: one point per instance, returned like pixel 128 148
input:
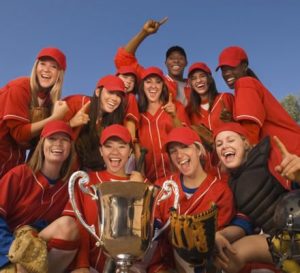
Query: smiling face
pixel 47 71
pixel 115 153
pixel 153 86
pixel 176 64
pixel 109 100
pixel 199 82
pixel 57 148
pixel 129 81
pixel 232 149
pixel 232 74
pixel 185 158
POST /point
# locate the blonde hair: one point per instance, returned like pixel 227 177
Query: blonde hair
pixel 56 90
pixel 37 160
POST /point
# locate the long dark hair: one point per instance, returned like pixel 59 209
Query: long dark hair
pixel 87 144
pixel 193 106
pixel 142 98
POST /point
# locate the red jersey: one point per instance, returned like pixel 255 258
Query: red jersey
pixel 89 254
pixel 255 103
pixel 211 190
pixel 76 102
pixel 211 118
pixel 124 58
pixel 15 126
pixel 152 133
pixel 131 109
pixel 26 197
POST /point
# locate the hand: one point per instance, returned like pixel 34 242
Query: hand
pixel 152 26
pixel 170 107
pixel 60 109
pixel 136 176
pixel 20 269
pixel 81 117
pixel 223 248
pixel 289 167
pixel 225 114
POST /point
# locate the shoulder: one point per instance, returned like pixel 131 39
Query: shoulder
pixel 247 82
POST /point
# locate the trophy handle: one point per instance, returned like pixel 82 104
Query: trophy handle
pixel 90 190
pixel 167 187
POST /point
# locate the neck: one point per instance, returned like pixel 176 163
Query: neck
pixel 177 77
pixel 196 179
pixel 51 170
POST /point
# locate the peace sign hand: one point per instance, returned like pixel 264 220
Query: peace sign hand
pixel 290 164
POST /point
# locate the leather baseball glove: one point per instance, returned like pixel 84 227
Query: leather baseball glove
pixel 205 134
pixel 193 236
pixel 29 250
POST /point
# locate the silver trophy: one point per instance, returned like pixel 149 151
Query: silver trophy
pixel 126 213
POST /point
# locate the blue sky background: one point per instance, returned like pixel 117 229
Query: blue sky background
pixel 90 31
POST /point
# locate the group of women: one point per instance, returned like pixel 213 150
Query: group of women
pixel 213 145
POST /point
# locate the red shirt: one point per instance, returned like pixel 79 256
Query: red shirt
pixel 26 197
pixel 211 190
pixel 89 254
pixel 255 103
pixel 124 58
pixel 211 118
pixel 15 126
pixel 152 133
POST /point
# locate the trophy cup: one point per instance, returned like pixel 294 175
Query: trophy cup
pixel 126 213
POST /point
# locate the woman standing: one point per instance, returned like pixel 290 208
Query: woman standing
pixel 255 107
pixel 89 115
pixel 28 104
pixel 207 107
pixel 159 114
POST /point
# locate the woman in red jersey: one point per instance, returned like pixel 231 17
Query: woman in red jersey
pixel 28 103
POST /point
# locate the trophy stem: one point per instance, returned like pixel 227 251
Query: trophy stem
pixel 123 262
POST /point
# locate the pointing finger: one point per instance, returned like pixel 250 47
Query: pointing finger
pixel 284 152
pixel 85 106
pixel 162 21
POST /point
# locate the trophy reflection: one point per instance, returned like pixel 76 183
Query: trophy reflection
pixel 126 213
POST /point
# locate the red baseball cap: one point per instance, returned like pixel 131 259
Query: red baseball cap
pixel 184 135
pixel 115 130
pixel 57 126
pixel 231 126
pixel 55 54
pixel 232 56
pixel 126 70
pixel 199 66
pixel 152 70
pixel 111 83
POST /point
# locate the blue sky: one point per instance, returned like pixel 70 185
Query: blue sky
pixel 90 31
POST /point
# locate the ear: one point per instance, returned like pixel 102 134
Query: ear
pixel 97 92
pixel 247 145
pixel 244 66
pixel 130 152
pixel 100 150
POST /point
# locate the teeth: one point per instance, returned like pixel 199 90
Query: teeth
pixel 184 161
pixel 115 159
pixel 57 151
